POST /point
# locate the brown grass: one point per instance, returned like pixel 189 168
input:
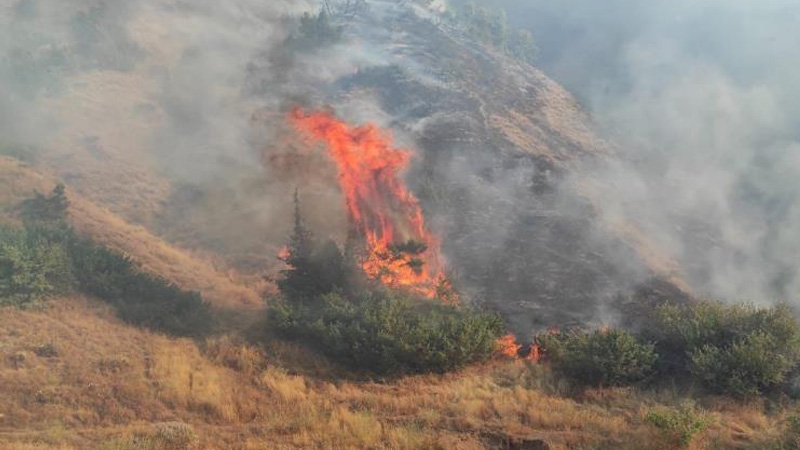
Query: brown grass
pixel 73 377
pixel 189 270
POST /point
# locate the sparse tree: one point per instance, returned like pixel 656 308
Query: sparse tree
pixel 46 209
pixel 313 269
pixel 317 30
pixel 522 46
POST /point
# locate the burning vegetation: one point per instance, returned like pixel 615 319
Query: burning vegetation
pixel 400 252
pixel 509 346
pixel 330 303
pixel 363 306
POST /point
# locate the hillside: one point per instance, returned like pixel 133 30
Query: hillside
pixel 73 377
pixel 187 269
pixel 395 228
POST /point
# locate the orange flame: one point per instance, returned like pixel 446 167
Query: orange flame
pixel 508 346
pixel 400 252
pixel 284 253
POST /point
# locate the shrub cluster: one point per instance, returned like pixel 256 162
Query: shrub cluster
pixel 32 266
pixel 387 333
pixel 139 298
pixel 678 426
pixel 599 358
pixel 46 257
pixel 328 304
pixel 739 350
pixel 316 31
pixel 491 28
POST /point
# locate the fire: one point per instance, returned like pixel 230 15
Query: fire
pixel 284 253
pixel 400 252
pixel 509 347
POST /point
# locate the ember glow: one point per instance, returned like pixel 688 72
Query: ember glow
pixel 400 252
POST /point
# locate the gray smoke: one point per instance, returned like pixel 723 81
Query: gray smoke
pixel 702 100
pixel 186 97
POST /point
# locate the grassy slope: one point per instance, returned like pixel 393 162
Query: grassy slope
pixel 188 270
pixel 71 375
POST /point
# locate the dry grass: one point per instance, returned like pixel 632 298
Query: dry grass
pixel 156 256
pixel 73 377
pixel 189 270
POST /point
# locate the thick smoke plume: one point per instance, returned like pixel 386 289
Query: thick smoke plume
pixel 702 100
pixel 171 98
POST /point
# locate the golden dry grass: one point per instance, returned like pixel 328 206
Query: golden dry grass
pixel 73 377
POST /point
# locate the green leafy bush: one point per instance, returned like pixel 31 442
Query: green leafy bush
pixel 679 426
pixel 736 349
pixel 33 266
pixel 598 358
pixel 388 334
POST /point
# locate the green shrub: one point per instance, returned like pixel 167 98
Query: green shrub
pixel 33 266
pixel 735 349
pixel 140 298
pixel 598 358
pixel 745 368
pixel 679 426
pixel 46 257
pixel 386 334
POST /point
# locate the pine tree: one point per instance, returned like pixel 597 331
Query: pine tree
pixel 314 270
pixel 296 281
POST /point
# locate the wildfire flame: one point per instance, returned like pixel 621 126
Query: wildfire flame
pixel 284 253
pixel 508 346
pixel 400 252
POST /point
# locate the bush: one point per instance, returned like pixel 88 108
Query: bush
pixel 316 31
pixel 46 257
pixel 679 426
pixel 174 436
pixel 46 209
pixel 387 334
pixel 598 358
pixel 740 349
pixel 140 298
pixel 33 266
pixel 491 28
